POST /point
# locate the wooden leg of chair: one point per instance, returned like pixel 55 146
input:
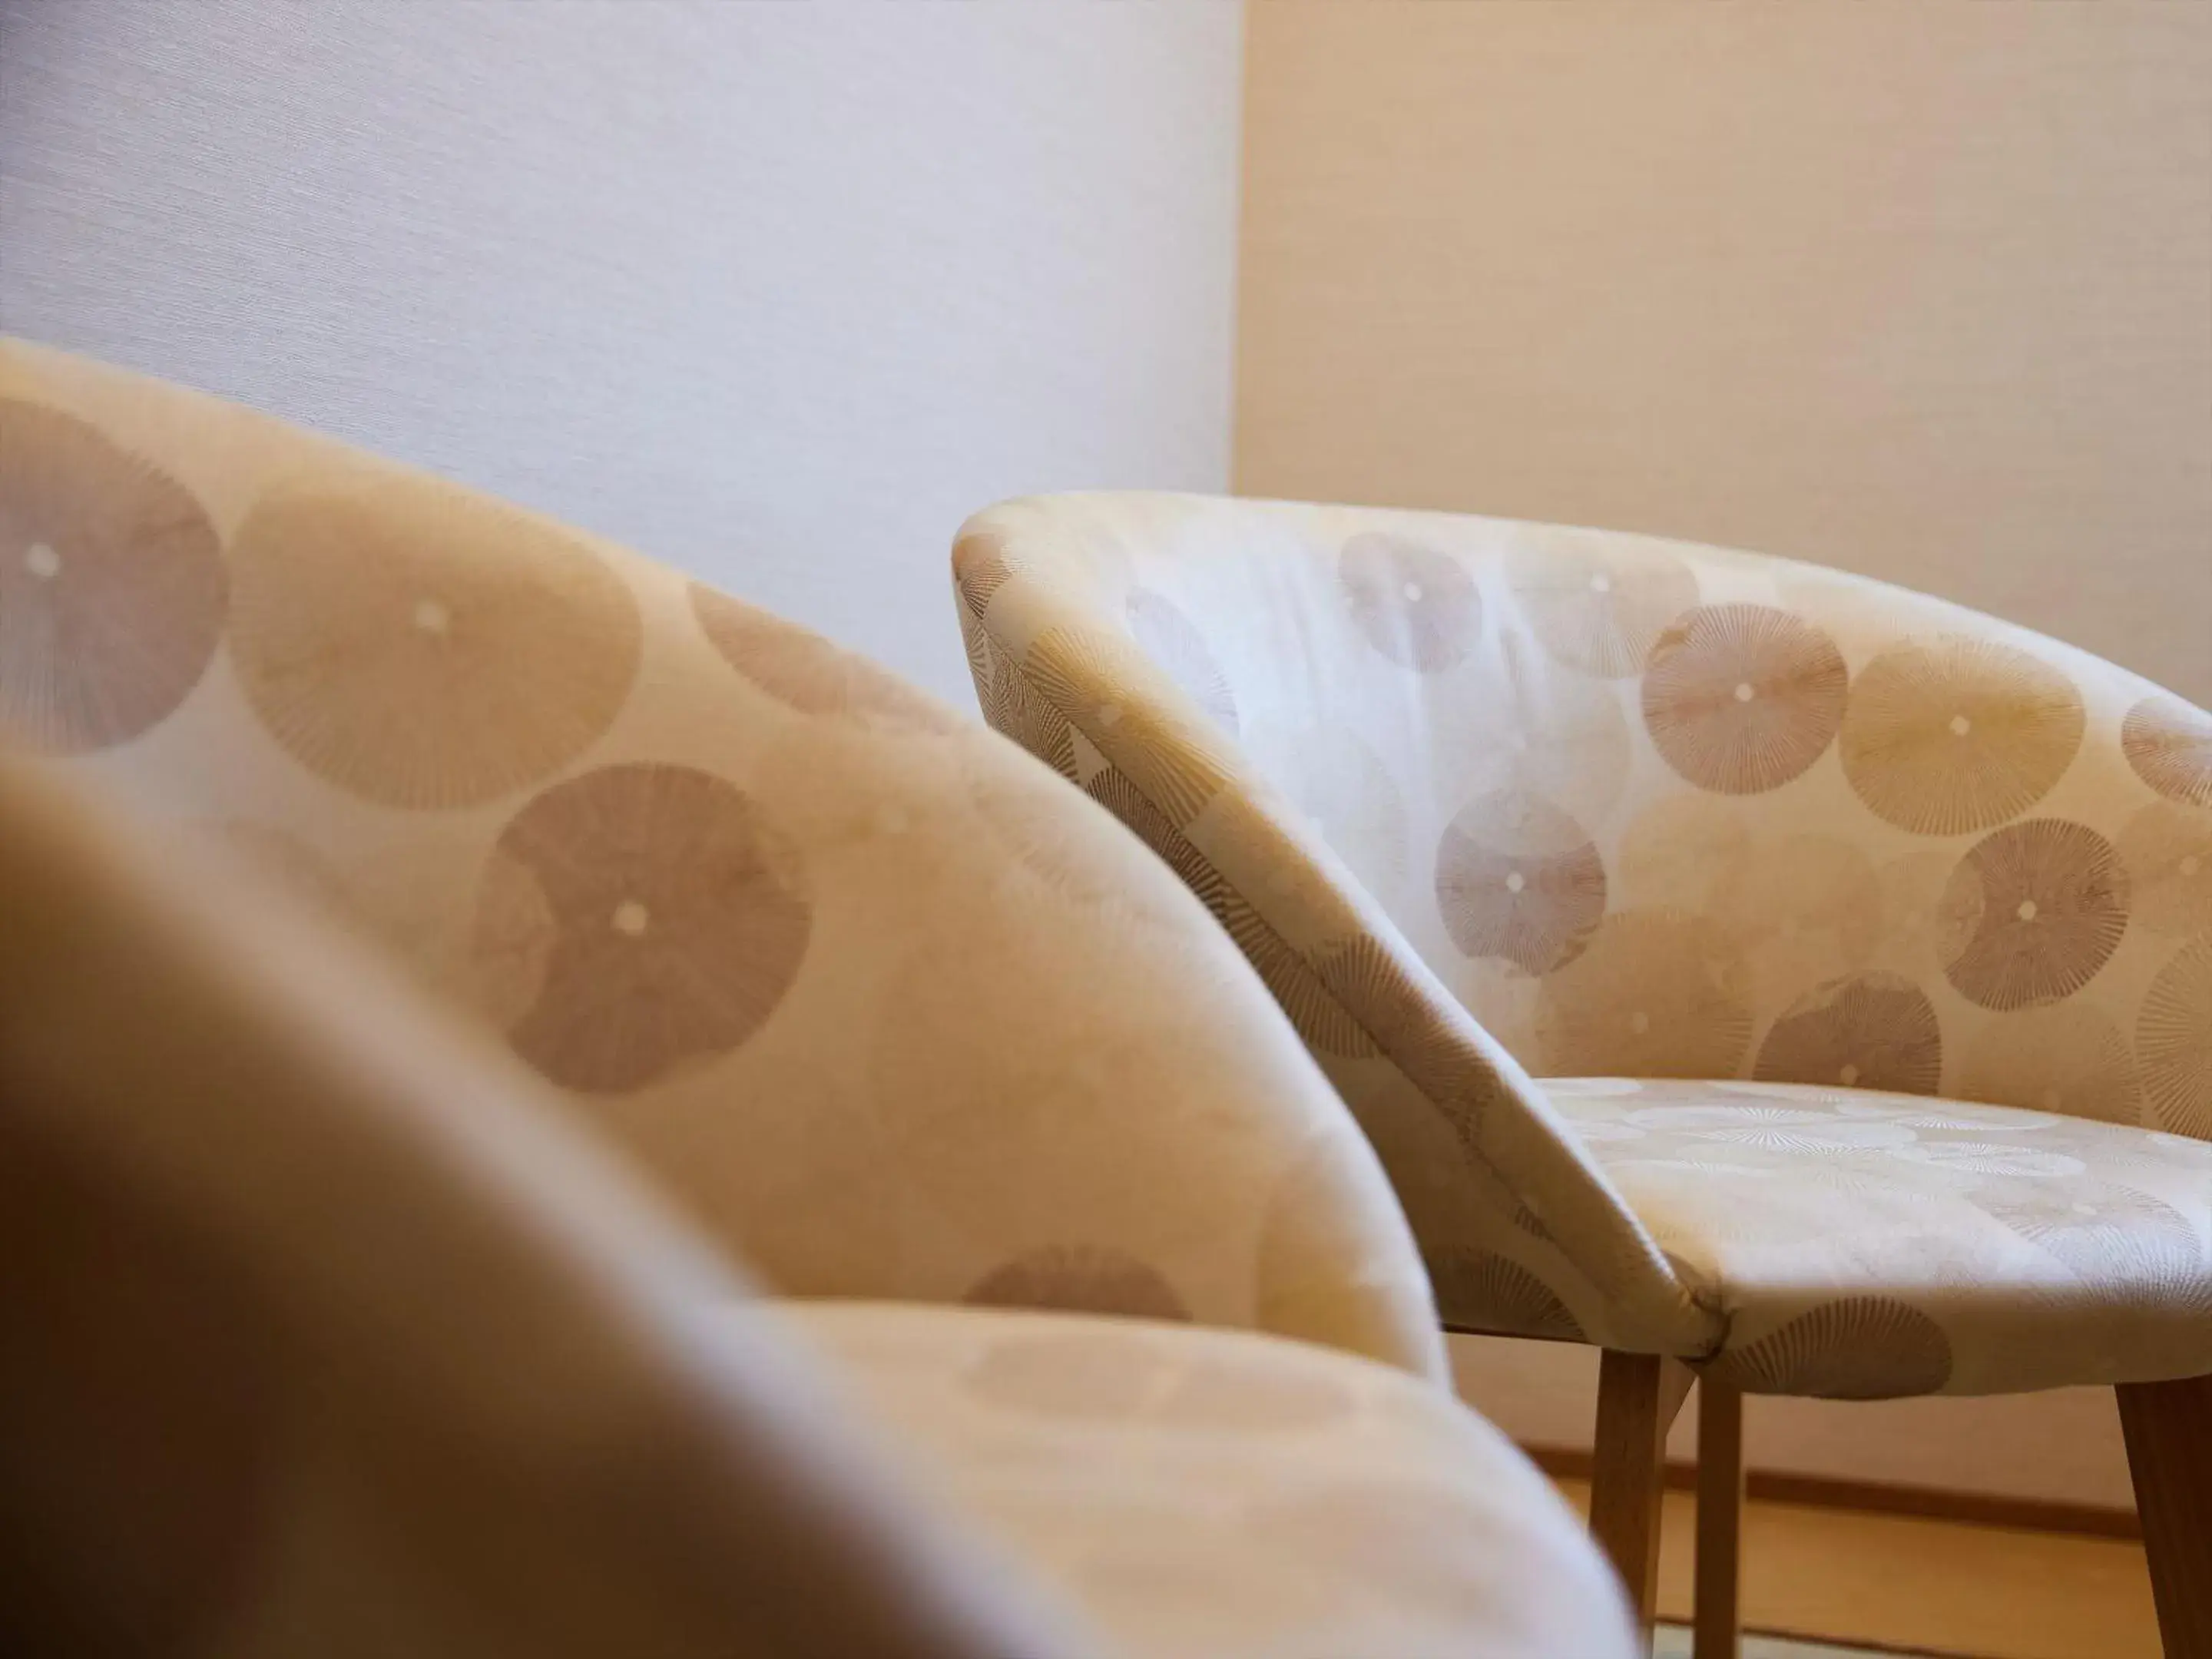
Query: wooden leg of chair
pixel 2169 1427
pixel 1638 1396
pixel 1720 1518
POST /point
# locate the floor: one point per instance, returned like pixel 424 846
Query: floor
pixel 1898 1584
pixel 1674 1642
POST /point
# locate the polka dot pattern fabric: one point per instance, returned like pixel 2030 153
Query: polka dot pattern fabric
pixel 746 896
pixel 1213 1492
pixel 1639 809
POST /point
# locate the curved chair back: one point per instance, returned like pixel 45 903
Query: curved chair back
pixel 324 1333
pixel 1485 801
pixel 895 1012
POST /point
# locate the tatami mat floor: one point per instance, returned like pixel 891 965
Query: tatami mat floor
pixel 1892 1584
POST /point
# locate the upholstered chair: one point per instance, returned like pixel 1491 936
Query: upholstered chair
pixel 892 1011
pixel 1736 963
pixel 326 1328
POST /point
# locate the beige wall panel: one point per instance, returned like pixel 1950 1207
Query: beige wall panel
pixel 1923 289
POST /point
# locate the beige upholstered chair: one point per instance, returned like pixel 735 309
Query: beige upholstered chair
pixel 326 1329
pixel 1734 962
pixel 894 1012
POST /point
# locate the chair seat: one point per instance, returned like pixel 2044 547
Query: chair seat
pixel 1863 1245
pixel 1208 1491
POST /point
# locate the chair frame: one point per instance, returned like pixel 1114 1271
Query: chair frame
pixel 2167 1425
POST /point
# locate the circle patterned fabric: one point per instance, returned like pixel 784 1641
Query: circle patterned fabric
pixel 1989 1249
pixel 1684 813
pixel 112 586
pixel 414 677
pixel 888 1008
pixel 1210 1492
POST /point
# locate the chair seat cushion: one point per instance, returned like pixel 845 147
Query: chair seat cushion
pixel 1864 1246
pixel 1208 1492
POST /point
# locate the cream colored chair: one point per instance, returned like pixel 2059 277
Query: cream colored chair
pixel 338 1331
pixel 1734 962
pixel 326 1329
pixel 798 936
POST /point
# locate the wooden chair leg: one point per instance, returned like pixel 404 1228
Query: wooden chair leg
pixel 1720 1519
pixel 1637 1397
pixel 2169 1427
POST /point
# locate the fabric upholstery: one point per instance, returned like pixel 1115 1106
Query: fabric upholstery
pixel 892 1011
pixel 1485 801
pixel 1214 1493
pixel 320 1332
pixel 328 1329
pixel 1864 1244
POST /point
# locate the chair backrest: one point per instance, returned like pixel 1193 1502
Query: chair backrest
pixel 894 1012
pixel 322 1331
pixel 1642 808
pixel 1832 830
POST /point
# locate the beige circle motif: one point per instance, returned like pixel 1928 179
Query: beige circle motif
pixel 1025 813
pixel 980 567
pixel 1172 639
pixel 809 672
pixel 1655 993
pixel 2168 853
pixel 1862 1347
pixel 1080 1278
pixel 1802 909
pixel 1740 699
pixel 1088 680
pixel 1869 1030
pixel 1912 910
pixel 1958 734
pixel 113 587
pixel 1517 878
pixel 975 645
pixel 2031 914
pixel 1315 1011
pixel 1681 851
pixel 1596 604
pixel 2067 1058
pixel 1067 1370
pixel 2169 744
pixel 423 647
pixel 2135 1248
pixel 1416 604
pixel 1516 721
pixel 2173 1042
pixel 1113 791
pixel 1477 1290
pixel 1015 708
pixel 650 915
pixel 1331 775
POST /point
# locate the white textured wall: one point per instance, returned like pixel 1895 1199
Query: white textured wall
pixel 779 293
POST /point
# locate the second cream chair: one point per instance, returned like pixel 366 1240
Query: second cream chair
pixel 1735 961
